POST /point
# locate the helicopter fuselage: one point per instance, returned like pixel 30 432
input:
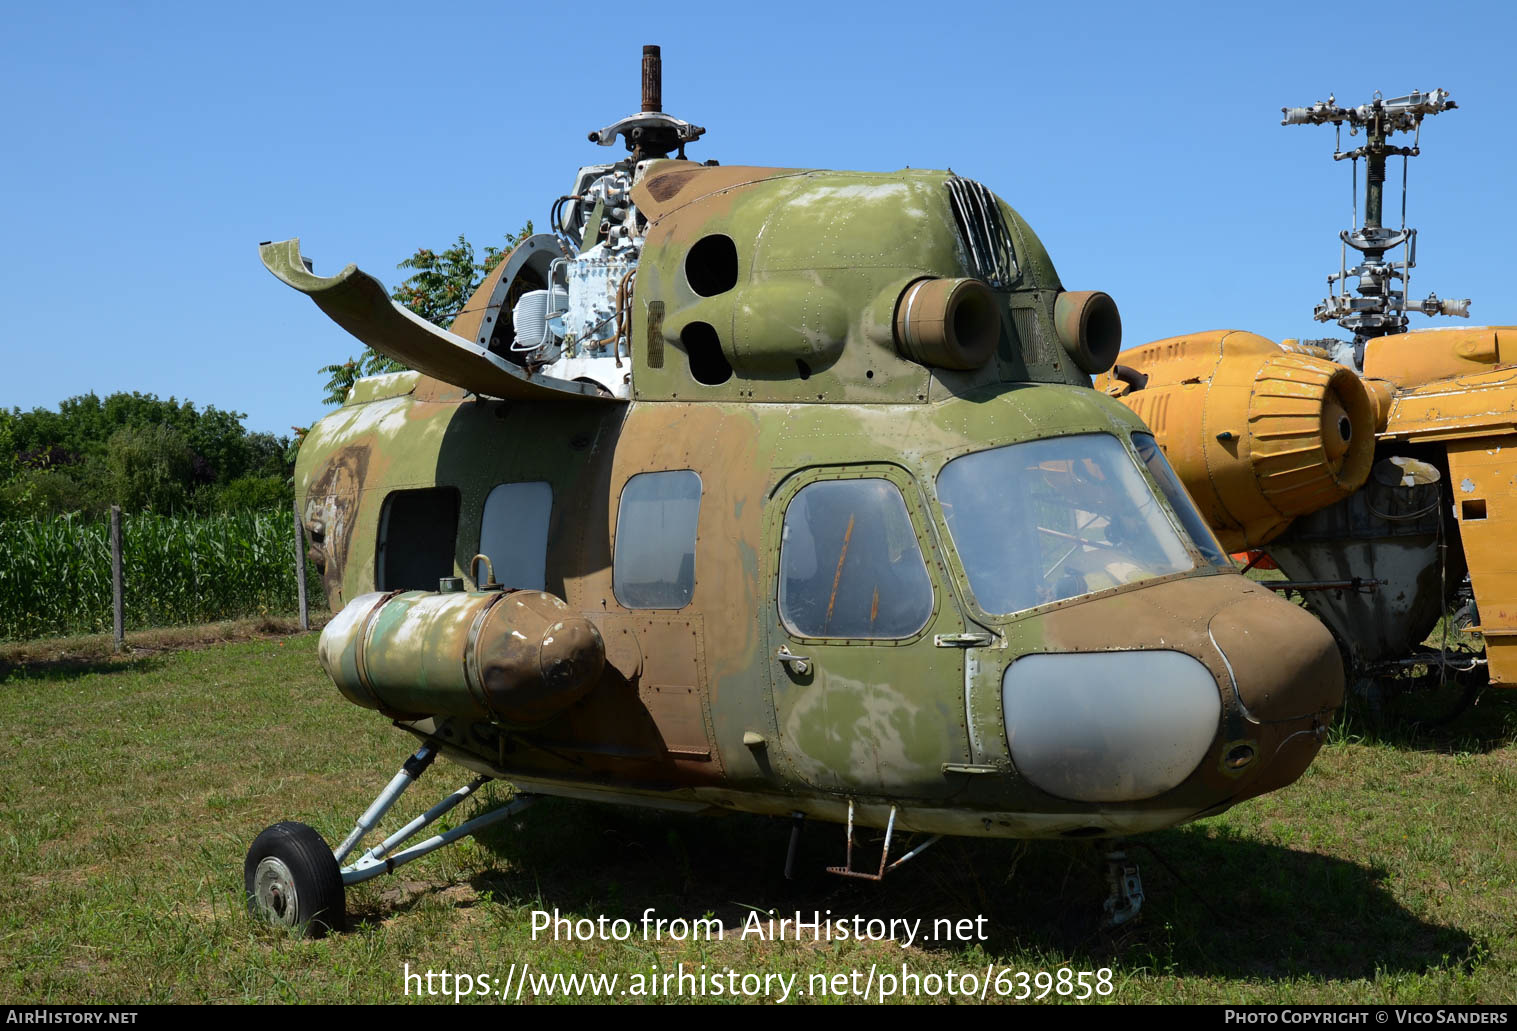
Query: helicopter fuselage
pixel 904 701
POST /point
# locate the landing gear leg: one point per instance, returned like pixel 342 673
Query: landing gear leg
pixel 294 880
pixel 1125 888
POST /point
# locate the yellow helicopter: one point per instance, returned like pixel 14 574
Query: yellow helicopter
pixel 1379 473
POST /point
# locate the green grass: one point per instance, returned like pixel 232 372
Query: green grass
pixel 133 789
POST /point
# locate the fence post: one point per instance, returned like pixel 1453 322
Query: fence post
pixel 300 568
pixel 116 604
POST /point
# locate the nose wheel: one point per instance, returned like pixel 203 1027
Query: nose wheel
pixel 1124 888
pixel 292 880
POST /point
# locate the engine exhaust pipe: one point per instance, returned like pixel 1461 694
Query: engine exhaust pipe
pixel 949 323
pixel 1090 328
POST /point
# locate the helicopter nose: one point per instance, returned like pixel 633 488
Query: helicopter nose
pixel 1283 662
pixel 1201 692
pixel 1288 678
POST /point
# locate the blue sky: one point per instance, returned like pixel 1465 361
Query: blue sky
pixel 150 147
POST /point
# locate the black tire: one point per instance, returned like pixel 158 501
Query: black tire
pixel 291 880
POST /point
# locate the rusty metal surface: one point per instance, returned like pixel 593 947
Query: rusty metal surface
pixel 669 186
pixel 1483 479
pixel 952 323
pixel 1090 328
pixel 1388 532
pixel 1470 406
pixel 330 511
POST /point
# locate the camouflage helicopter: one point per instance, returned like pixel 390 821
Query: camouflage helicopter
pixel 779 491
pixel 1375 472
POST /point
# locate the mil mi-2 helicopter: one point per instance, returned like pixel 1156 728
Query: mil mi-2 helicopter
pixel 1374 471
pixel 779 491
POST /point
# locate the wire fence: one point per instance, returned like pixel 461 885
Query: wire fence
pixel 55 574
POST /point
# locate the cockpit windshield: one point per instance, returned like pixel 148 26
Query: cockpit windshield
pixel 1164 475
pixel 1056 518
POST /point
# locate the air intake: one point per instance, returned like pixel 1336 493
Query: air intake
pixel 984 232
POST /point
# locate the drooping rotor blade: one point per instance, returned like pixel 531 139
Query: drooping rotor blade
pixel 358 303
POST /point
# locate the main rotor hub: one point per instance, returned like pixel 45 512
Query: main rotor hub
pixel 650 133
pixel 1380 308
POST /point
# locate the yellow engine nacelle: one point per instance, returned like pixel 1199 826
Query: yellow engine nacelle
pixel 1258 434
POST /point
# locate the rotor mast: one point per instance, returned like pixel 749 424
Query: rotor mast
pixel 1380 307
pixel 651 133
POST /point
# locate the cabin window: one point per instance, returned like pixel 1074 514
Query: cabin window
pixel 1057 518
pixel 1179 499
pixel 850 565
pixel 654 567
pixel 513 534
pixel 418 534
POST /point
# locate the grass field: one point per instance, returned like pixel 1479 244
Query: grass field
pixel 134 787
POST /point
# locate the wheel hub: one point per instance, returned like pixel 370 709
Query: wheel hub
pixel 274 891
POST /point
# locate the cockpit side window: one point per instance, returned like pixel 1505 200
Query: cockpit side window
pixel 513 533
pixel 654 565
pixel 1056 518
pixel 850 565
pixel 1180 500
pixel 418 532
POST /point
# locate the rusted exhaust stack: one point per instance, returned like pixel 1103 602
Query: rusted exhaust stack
pixel 949 323
pixel 1089 327
pixel 653 79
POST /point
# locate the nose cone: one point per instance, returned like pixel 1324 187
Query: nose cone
pixel 1284 663
pixel 1276 669
pixel 1288 675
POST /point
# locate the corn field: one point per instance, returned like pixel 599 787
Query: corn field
pixel 55 575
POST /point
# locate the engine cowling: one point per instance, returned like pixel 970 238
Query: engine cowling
pixel 1259 435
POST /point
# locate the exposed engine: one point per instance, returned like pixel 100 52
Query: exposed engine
pixel 564 302
pixel 577 325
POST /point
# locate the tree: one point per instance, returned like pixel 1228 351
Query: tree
pixel 127 447
pixel 256 493
pixel 83 425
pixel 149 466
pixel 436 291
pixel 8 462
